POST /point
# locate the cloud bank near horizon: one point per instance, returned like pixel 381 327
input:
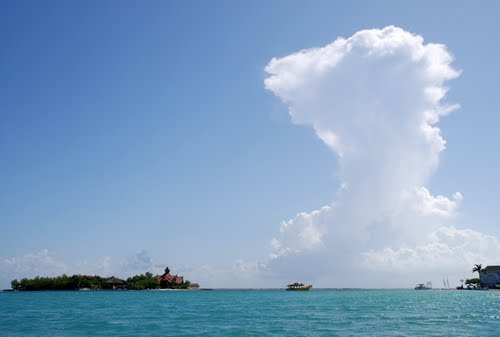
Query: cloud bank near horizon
pixel 46 263
pixel 374 99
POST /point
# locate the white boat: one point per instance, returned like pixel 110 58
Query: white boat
pixel 422 286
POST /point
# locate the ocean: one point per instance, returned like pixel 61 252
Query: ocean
pixel 251 313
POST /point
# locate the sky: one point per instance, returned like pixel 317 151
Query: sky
pixel 250 144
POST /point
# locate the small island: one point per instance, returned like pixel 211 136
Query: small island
pixel 145 281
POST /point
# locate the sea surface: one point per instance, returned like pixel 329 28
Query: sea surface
pixel 251 313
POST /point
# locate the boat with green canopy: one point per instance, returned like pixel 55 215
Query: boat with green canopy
pixel 298 287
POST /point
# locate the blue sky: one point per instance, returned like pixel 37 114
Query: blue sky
pixel 128 127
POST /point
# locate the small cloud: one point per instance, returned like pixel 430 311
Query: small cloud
pixel 41 263
pixel 102 267
pixel 140 263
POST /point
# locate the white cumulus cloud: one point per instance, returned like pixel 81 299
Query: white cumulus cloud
pixel 374 99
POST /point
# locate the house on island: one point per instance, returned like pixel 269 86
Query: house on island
pixel 168 280
pixel 490 276
pixel 114 283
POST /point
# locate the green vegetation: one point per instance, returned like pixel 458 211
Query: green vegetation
pixel 63 282
pixel 184 285
pixel 477 268
pixel 77 282
pixel 141 282
pixel 473 281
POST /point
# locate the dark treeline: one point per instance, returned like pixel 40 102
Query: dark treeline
pixel 63 282
pixel 77 282
pixel 141 282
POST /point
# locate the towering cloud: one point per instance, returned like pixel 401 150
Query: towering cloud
pixel 374 99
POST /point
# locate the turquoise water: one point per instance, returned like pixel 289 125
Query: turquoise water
pixel 251 313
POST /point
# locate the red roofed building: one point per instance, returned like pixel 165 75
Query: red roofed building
pixel 167 280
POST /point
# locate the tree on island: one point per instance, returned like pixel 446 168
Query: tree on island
pixel 474 281
pixel 63 282
pixel 478 268
pixel 141 282
pixel 15 284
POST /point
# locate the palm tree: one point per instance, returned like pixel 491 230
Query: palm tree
pixel 478 268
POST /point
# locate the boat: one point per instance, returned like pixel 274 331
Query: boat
pixel 421 286
pixel 298 286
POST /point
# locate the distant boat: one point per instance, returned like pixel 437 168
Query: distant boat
pixel 421 286
pixel 298 287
